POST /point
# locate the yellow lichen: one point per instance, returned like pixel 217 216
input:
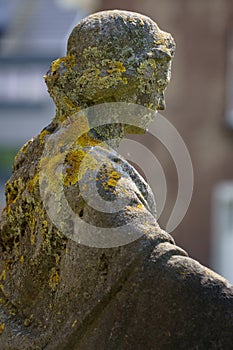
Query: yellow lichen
pixel 2 327
pixel 8 263
pixel 12 312
pixel 68 60
pixel 91 51
pixel 42 136
pixel 150 62
pixel 21 259
pixel 115 175
pixel 49 168
pixel 125 81
pixel 27 322
pixel 32 239
pixel 32 221
pixel 85 140
pixel 113 178
pixel 44 228
pixel 112 182
pixel 132 208
pixel 33 182
pixel 3 275
pixel 70 104
pixel 161 41
pixel 116 66
pixel 103 75
pixel 13 191
pixel 57 258
pixel 75 170
pixel 53 279
pixel 55 64
pixel 74 323
pixel 74 159
pixel 45 223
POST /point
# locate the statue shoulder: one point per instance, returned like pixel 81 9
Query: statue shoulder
pixel 103 171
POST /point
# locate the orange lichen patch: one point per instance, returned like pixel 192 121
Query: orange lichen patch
pixel 2 327
pixel 68 60
pixel 85 140
pixel 73 159
pixel 54 279
pixel 55 64
pixel 112 182
pixel 114 176
pixel 75 171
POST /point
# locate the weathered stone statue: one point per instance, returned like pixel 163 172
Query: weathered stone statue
pixel 57 293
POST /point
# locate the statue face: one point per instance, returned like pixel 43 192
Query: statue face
pixel 152 97
pixel 164 77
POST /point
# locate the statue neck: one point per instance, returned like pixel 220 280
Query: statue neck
pixel 110 134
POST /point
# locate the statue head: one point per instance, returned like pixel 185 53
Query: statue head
pixel 112 56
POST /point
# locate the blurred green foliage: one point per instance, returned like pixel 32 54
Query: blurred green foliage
pixel 7 155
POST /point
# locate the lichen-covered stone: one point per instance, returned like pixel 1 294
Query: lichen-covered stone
pixel 58 294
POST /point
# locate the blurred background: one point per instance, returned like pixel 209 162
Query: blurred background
pixel 199 101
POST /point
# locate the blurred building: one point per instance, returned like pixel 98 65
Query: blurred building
pixel 200 106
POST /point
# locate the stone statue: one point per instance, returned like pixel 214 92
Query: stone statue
pixel 57 293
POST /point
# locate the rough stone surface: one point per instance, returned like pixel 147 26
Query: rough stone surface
pixel 58 294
